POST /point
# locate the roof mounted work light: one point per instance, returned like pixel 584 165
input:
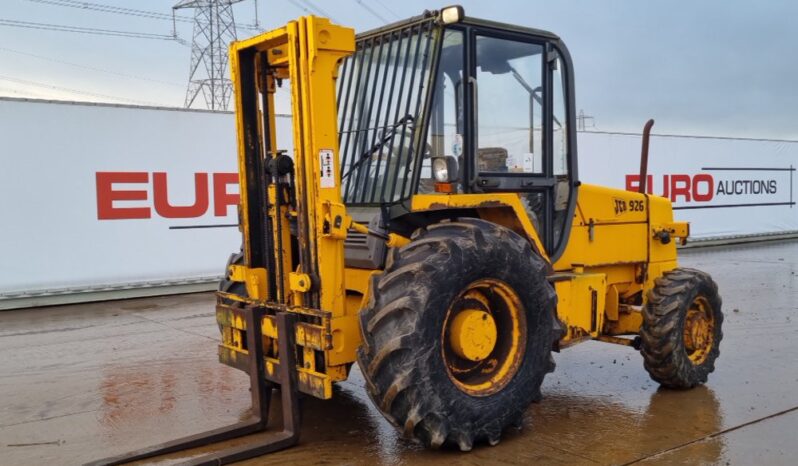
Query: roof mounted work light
pixel 452 14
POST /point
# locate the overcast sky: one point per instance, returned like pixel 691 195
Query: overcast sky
pixel 714 67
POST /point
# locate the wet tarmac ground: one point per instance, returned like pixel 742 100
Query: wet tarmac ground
pixel 82 382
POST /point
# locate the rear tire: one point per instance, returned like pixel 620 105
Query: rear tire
pixel 682 328
pixel 405 358
pixel 228 286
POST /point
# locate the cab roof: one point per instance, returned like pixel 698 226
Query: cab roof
pixel 428 15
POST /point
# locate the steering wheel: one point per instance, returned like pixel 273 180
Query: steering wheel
pixel 374 152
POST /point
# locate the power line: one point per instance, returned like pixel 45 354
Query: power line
pixel 91 68
pixel 316 8
pixel 83 30
pixel 300 6
pixel 371 10
pixel 75 91
pixel 385 7
pixel 114 9
pixel 103 8
pixel 311 8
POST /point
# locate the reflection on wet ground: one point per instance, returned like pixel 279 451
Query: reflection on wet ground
pixel 86 381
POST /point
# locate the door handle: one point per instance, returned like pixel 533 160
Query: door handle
pixel 486 182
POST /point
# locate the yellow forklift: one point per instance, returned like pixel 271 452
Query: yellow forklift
pixel 430 225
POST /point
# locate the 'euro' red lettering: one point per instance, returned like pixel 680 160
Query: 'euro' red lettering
pixel 106 195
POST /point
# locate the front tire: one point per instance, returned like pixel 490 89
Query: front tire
pixel 682 328
pixel 455 276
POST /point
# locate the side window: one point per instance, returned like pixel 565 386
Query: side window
pixel 509 106
pixel 559 120
pixel 559 127
pixel 445 135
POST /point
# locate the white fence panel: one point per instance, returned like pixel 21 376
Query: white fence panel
pixel 105 197
pixel 722 186
pixel 97 197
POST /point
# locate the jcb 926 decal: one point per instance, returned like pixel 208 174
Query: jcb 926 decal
pixel 622 206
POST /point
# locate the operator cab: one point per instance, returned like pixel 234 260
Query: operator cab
pixel 443 103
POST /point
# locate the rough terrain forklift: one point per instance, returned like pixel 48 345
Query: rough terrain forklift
pixel 435 232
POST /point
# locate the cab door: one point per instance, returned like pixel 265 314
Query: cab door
pixel 520 136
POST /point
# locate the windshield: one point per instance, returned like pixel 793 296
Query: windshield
pixel 381 98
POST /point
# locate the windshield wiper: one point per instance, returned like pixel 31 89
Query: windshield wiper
pixel 378 145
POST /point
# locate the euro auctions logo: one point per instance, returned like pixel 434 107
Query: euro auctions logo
pixel 141 195
pixel 697 188
pixel 716 187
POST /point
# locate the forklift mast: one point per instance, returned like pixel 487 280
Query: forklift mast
pixel 280 193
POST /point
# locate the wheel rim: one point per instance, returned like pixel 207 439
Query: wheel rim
pixel 483 337
pixel 699 330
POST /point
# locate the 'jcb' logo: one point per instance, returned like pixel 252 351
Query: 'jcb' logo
pixel 620 206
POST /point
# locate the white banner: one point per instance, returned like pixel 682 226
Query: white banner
pixel 722 186
pixel 99 197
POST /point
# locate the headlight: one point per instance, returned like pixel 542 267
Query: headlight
pixel 444 169
pixel 440 170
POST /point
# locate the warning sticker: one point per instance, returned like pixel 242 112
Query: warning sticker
pixel 457 145
pixel 528 162
pixel 327 164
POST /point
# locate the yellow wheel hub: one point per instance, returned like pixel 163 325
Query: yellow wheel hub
pixel 484 337
pixel 699 330
pixel 473 334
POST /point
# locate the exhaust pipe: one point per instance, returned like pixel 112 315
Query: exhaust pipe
pixel 644 156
